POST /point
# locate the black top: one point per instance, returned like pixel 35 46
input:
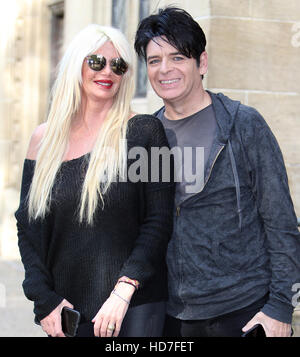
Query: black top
pixel 81 263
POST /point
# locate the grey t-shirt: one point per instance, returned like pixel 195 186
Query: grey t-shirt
pixel 191 140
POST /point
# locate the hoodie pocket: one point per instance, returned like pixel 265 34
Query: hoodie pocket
pixel 233 254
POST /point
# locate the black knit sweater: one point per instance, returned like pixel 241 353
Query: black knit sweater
pixel 81 263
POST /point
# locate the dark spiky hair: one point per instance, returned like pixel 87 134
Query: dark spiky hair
pixel 177 27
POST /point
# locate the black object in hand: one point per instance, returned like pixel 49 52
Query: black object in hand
pixel 256 331
pixel 69 321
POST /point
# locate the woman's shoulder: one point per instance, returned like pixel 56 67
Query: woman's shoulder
pixel 35 141
pixel 146 123
pixel 146 130
pixel 140 118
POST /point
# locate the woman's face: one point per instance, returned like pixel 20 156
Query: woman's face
pixel 103 85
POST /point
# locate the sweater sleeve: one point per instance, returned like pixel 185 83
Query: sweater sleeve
pixel 157 196
pixel 271 190
pixel 37 284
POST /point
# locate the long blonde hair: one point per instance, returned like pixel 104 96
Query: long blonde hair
pixel 66 101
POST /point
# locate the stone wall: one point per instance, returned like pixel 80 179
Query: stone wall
pixel 254 56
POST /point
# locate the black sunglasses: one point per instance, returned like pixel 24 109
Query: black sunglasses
pixel 98 62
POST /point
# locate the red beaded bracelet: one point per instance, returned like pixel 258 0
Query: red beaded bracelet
pixel 132 282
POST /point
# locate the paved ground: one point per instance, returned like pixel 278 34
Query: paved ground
pixel 15 310
pixel 16 316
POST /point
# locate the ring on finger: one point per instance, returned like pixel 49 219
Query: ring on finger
pixel 111 327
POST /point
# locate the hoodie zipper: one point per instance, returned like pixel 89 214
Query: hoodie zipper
pixel 178 214
pixel 178 207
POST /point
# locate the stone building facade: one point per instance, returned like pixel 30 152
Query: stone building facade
pixel 254 56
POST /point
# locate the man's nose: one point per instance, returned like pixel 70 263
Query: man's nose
pixel 165 66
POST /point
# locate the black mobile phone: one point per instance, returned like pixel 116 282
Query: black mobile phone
pixel 256 331
pixel 69 321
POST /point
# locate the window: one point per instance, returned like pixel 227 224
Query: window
pixel 141 78
pixel 121 11
pixel 57 27
pixel 119 15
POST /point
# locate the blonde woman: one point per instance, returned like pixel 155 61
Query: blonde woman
pixel 92 237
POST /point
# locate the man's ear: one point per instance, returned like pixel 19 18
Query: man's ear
pixel 203 63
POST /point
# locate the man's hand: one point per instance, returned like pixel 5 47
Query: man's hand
pixel 272 327
pixel 51 324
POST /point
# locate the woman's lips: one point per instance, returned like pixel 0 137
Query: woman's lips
pixel 104 83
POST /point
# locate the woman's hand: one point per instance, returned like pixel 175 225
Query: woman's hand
pixel 51 324
pixel 108 321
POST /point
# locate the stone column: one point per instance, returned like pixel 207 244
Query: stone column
pixel 24 88
pixel 79 14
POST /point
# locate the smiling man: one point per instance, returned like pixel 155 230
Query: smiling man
pixel 180 85
pixel 234 254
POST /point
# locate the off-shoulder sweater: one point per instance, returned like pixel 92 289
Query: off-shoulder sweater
pixel 64 258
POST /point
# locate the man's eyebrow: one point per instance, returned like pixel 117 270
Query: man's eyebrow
pixel 170 54
pixel 151 57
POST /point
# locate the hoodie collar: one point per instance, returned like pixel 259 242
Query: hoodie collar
pixel 225 111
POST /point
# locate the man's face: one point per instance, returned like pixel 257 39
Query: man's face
pixel 173 76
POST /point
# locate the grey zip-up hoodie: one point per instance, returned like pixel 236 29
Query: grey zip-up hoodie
pixel 237 239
